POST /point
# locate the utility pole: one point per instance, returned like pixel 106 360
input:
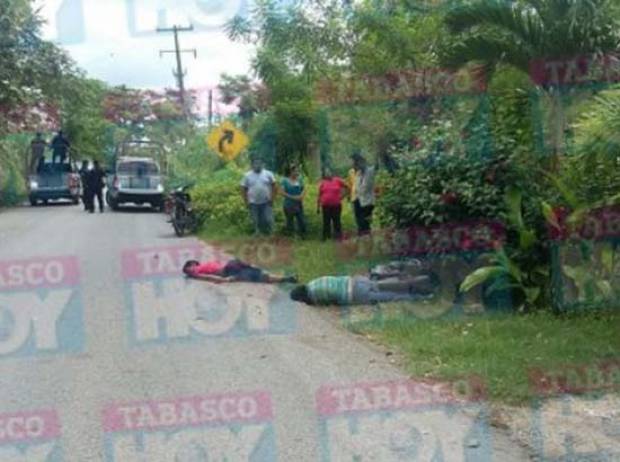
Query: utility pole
pixel 179 74
pixel 210 108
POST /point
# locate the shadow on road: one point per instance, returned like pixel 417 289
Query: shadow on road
pixel 51 204
pixel 134 209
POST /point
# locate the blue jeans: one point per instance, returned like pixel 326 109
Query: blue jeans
pixel 293 214
pixel 262 217
pixel 367 292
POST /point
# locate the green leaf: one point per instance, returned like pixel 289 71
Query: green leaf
pixel 500 284
pixel 531 294
pixel 605 288
pixel 527 238
pixel 513 201
pixel 607 259
pixel 581 277
pixel 566 192
pixel 479 276
pixel 550 215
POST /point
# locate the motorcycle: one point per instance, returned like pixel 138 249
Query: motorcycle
pixel 179 208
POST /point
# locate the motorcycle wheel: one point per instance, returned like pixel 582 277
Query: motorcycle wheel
pixel 178 222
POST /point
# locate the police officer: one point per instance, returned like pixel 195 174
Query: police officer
pixel 37 151
pixel 86 196
pixel 60 146
pixel 96 184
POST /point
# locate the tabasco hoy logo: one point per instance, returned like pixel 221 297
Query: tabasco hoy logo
pixel 577 70
pixel 403 420
pixel 219 427
pixel 163 305
pixel 577 415
pixel 30 437
pixel 40 307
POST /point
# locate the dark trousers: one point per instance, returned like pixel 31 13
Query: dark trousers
pixel 86 197
pixel 331 217
pixel 292 215
pixel 89 200
pixel 363 217
pixel 99 195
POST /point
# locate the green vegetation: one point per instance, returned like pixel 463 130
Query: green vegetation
pixel 502 350
pixel 512 150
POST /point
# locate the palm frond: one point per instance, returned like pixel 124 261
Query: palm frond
pixel 488 51
pixel 523 23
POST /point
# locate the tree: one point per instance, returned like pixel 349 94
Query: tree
pixel 498 32
pixel 83 117
pixel 32 70
pixel 250 97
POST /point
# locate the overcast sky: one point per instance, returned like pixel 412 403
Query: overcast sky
pixel 115 40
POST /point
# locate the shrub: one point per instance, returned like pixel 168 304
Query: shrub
pixel 217 200
pixel 441 188
pixel 12 188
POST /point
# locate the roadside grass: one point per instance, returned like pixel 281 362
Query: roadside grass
pixel 435 342
pixel 501 350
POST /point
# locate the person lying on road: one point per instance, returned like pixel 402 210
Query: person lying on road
pixel 231 271
pixel 361 290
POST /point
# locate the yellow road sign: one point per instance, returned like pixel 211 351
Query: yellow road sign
pixel 227 140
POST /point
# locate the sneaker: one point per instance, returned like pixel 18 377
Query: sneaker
pixel 291 279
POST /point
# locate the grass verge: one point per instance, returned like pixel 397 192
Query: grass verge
pixel 501 350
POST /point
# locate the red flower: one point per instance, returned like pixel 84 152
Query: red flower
pixel 449 198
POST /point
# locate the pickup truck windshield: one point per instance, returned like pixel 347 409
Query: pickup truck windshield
pixel 138 168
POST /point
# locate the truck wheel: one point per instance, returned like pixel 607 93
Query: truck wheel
pixel 33 202
pixel 45 201
pixel 75 201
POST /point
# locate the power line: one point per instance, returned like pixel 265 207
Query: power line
pixel 180 73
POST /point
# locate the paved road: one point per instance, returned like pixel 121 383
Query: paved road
pixel 227 373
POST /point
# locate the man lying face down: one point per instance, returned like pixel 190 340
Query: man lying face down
pixel 361 290
pixel 231 271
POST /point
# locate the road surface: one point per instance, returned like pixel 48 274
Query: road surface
pixel 88 372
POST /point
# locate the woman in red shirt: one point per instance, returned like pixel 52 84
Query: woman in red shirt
pixel 331 191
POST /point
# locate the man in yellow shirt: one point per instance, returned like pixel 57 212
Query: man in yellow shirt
pixel 351 182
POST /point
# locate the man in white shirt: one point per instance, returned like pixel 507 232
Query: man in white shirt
pixel 364 202
pixel 258 188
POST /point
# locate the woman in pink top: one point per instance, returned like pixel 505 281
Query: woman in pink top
pixel 331 191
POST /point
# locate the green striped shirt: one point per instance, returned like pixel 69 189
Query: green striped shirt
pixel 330 290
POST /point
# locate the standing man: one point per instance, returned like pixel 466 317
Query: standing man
pixel 60 146
pixel 258 188
pixel 84 180
pixel 37 151
pixel 364 202
pixel 97 183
